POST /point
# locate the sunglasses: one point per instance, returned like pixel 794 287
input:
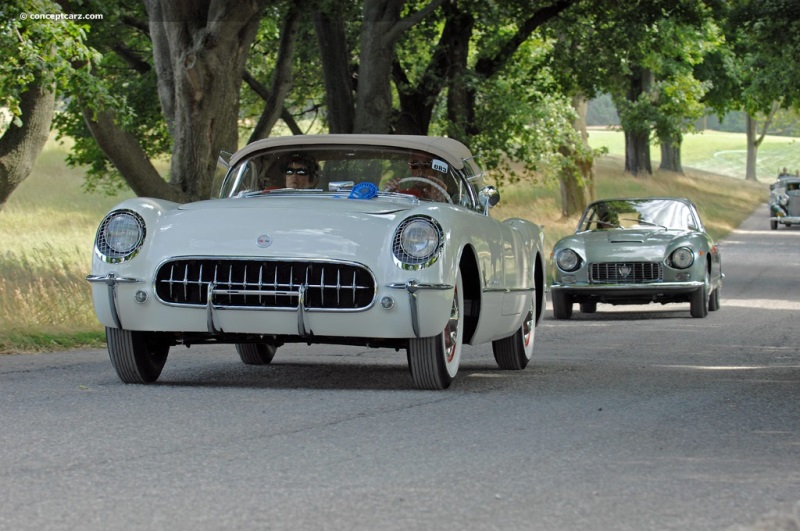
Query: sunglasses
pixel 298 171
pixel 415 165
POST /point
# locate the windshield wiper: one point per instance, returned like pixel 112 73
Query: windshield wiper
pixel 644 222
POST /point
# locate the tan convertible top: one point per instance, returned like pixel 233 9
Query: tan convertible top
pixel 451 151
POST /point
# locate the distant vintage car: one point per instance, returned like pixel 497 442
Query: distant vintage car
pixel 391 246
pixel 637 251
pixel 784 202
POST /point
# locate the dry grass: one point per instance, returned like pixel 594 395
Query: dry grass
pixel 47 229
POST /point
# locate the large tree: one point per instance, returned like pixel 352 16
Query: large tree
pixel 640 52
pixel 41 57
pixel 200 49
pixel 182 92
pixel 765 42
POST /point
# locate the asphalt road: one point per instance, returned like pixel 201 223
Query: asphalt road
pixel 631 418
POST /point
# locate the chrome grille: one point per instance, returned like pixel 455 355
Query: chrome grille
pixel 625 272
pixel 265 283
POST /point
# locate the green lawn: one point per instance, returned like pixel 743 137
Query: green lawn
pixel 717 152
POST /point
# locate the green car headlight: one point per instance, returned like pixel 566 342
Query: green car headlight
pixel 568 260
pixel 681 258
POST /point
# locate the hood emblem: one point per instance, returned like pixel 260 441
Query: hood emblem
pixel 624 270
pixel 263 241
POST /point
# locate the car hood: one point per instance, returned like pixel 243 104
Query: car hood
pixel 301 227
pixel 625 244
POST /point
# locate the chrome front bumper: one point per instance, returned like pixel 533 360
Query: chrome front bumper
pixel 649 287
pixel 412 287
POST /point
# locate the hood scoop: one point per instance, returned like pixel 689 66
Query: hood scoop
pixel 626 237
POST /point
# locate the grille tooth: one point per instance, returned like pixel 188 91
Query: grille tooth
pixel 185 281
pixel 277 286
pixel 615 272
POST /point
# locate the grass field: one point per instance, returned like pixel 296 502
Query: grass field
pixel 715 151
pixel 47 228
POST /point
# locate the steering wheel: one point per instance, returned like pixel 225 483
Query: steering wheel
pixel 395 186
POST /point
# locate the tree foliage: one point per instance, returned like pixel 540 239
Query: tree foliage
pixel 192 77
pixel 643 54
pixel 42 55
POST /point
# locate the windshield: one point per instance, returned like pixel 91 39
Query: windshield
pixel 639 214
pixel 341 168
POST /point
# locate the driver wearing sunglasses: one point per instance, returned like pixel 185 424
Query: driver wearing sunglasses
pixel 300 172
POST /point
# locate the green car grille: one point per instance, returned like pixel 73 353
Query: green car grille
pixel 625 272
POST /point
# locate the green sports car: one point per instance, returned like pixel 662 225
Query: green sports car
pixel 637 251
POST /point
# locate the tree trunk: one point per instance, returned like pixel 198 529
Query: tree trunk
pixel 637 129
pixel 752 148
pixel 21 145
pixel 586 164
pixel 573 193
pixel 380 29
pixel 637 153
pixel 460 107
pixel 378 36
pixel 447 67
pixel 671 157
pixel 577 176
pixel 200 48
pixel 337 73
pixel 130 159
pixel 753 143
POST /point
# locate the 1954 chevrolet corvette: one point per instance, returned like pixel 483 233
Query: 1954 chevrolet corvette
pixel 376 240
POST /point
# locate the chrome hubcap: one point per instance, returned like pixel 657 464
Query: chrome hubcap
pixel 451 330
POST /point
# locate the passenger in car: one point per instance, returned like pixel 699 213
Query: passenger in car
pixel 424 181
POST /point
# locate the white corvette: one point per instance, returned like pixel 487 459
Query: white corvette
pixel 377 240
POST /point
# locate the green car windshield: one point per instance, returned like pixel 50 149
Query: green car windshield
pixel 657 214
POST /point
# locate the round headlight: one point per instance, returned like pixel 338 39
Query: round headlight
pixel 682 257
pixel 567 260
pixel 417 242
pixel 120 236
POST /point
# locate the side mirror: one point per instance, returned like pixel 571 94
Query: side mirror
pixel 488 197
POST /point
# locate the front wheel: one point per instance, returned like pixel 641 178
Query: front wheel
pixel 773 224
pixel 713 300
pixel 138 357
pixel 562 306
pixel 698 303
pixel 433 361
pixel 256 353
pixel 514 352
